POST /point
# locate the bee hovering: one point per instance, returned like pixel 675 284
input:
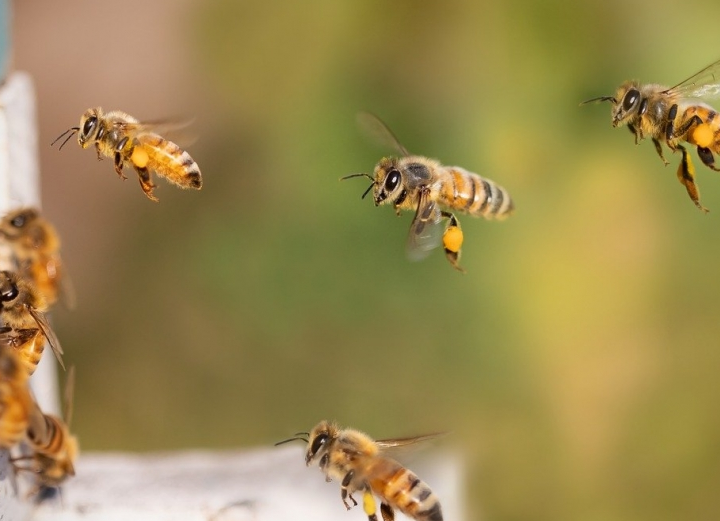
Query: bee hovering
pixel 673 115
pixel 430 189
pixel 139 145
pixel 361 464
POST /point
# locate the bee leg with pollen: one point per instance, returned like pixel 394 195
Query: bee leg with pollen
pixel 686 176
pixel 452 241
pixel 369 505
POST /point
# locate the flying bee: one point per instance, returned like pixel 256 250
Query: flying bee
pixel 16 401
pixel 36 246
pixel 430 189
pixel 673 115
pixel 26 328
pixel 139 145
pixel 361 464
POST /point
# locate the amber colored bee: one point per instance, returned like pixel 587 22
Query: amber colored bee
pixel 36 247
pixel 673 115
pixel 361 464
pixel 429 188
pixel 26 328
pixel 139 145
pixel 54 448
pixel 16 401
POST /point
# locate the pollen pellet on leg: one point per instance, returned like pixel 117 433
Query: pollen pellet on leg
pixel 453 239
pixel 139 157
pixel 702 135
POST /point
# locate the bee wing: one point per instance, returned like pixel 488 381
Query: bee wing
pixel 52 339
pixel 176 130
pixel 704 84
pixel 393 443
pixel 425 230
pixel 13 338
pixel 379 132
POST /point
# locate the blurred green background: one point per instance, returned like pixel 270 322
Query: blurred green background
pixel 576 362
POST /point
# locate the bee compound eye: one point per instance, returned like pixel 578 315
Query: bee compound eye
pixel 9 294
pixel 89 125
pixel 630 99
pixel 18 221
pixel 317 443
pixel 392 180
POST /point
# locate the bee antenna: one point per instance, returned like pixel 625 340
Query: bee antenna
pixel 70 131
pixel 302 436
pixel 600 99
pixel 361 175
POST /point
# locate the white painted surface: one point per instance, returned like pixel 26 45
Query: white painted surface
pixel 266 484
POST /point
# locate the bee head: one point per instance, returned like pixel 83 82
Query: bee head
pixel 8 288
pixel 15 223
pixel 319 441
pixel 388 181
pixel 627 104
pixel 89 127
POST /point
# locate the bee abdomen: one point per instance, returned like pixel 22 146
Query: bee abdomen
pixel 412 496
pixel 476 195
pixel 172 162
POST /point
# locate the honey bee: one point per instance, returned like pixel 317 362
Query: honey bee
pixel 429 188
pixel 26 328
pixel 36 246
pixel 55 449
pixel 15 399
pixel 139 145
pixel 360 464
pixel 671 116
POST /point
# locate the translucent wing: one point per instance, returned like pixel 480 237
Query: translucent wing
pixel 425 230
pixel 50 335
pixel 393 443
pixel 379 132
pixel 11 338
pixel 176 130
pixel 704 84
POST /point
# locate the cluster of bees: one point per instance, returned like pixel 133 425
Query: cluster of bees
pixel 669 116
pixel 42 442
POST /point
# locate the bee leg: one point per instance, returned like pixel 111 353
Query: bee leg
pixel 119 165
pixel 369 505
pixel 670 127
pixel 387 512
pixel 685 127
pixel 659 150
pixel 706 156
pixel 635 132
pixel 452 241
pixel 686 176
pixel 97 150
pixel 145 183
pixel 344 490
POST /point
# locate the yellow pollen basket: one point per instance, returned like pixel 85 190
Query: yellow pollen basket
pixel 453 239
pixel 702 135
pixel 139 157
pixel 369 503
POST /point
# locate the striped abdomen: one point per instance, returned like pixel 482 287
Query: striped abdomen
pixel 170 161
pixel 47 434
pixel 467 192
pixel 32 349
pixel 401 489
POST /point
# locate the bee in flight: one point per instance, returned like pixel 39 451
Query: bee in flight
pixel 361 464
pixel 139 145
pixel 671 116
pixel 15 399
pixel 430 189
pixel 36 247
pixel 25 326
